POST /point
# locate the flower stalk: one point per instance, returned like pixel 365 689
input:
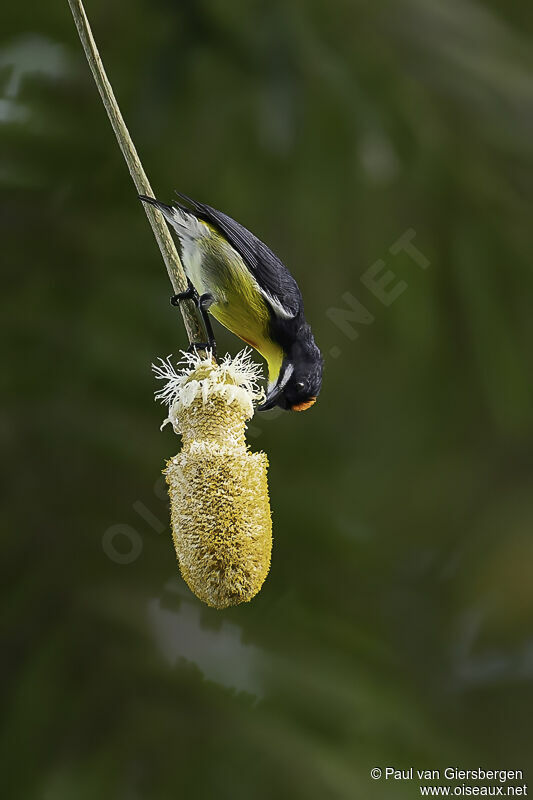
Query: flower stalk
pixel 166 244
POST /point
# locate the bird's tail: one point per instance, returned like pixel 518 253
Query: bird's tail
pixel 162 207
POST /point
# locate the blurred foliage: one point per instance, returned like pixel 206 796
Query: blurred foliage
pixel 395 626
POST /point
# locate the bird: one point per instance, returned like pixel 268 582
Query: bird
pixel 237 278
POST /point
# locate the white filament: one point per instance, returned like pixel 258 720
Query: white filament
pixel 234 379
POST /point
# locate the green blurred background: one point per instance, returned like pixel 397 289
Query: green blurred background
pixel 394 628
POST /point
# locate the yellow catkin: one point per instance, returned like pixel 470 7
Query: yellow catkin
pixel 220 512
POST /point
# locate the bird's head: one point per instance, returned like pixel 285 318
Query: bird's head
pixel 299 381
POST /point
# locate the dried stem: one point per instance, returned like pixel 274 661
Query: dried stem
pixel 159 227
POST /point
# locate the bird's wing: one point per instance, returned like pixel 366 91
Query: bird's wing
pixel 276 283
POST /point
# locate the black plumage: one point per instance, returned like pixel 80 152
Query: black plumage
pixel 269 271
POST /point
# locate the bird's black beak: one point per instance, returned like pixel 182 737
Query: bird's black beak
pixel 277 390
pixel 270 400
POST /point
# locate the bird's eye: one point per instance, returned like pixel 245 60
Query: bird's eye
pixel 300 385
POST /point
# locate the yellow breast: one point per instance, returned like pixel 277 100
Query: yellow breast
pixel 239 304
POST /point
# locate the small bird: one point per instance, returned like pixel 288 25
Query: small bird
pixel 244 285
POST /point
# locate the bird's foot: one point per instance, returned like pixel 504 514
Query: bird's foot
pixel 190 293
pixel 203 303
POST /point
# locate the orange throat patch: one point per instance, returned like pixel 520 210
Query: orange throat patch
pixel 304 406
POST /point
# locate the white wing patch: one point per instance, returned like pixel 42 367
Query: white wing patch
pixel 189 229
pixel 186 225
pixel 277 305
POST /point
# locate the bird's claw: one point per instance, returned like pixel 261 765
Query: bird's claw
pixel 190 293
pixel 202 303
